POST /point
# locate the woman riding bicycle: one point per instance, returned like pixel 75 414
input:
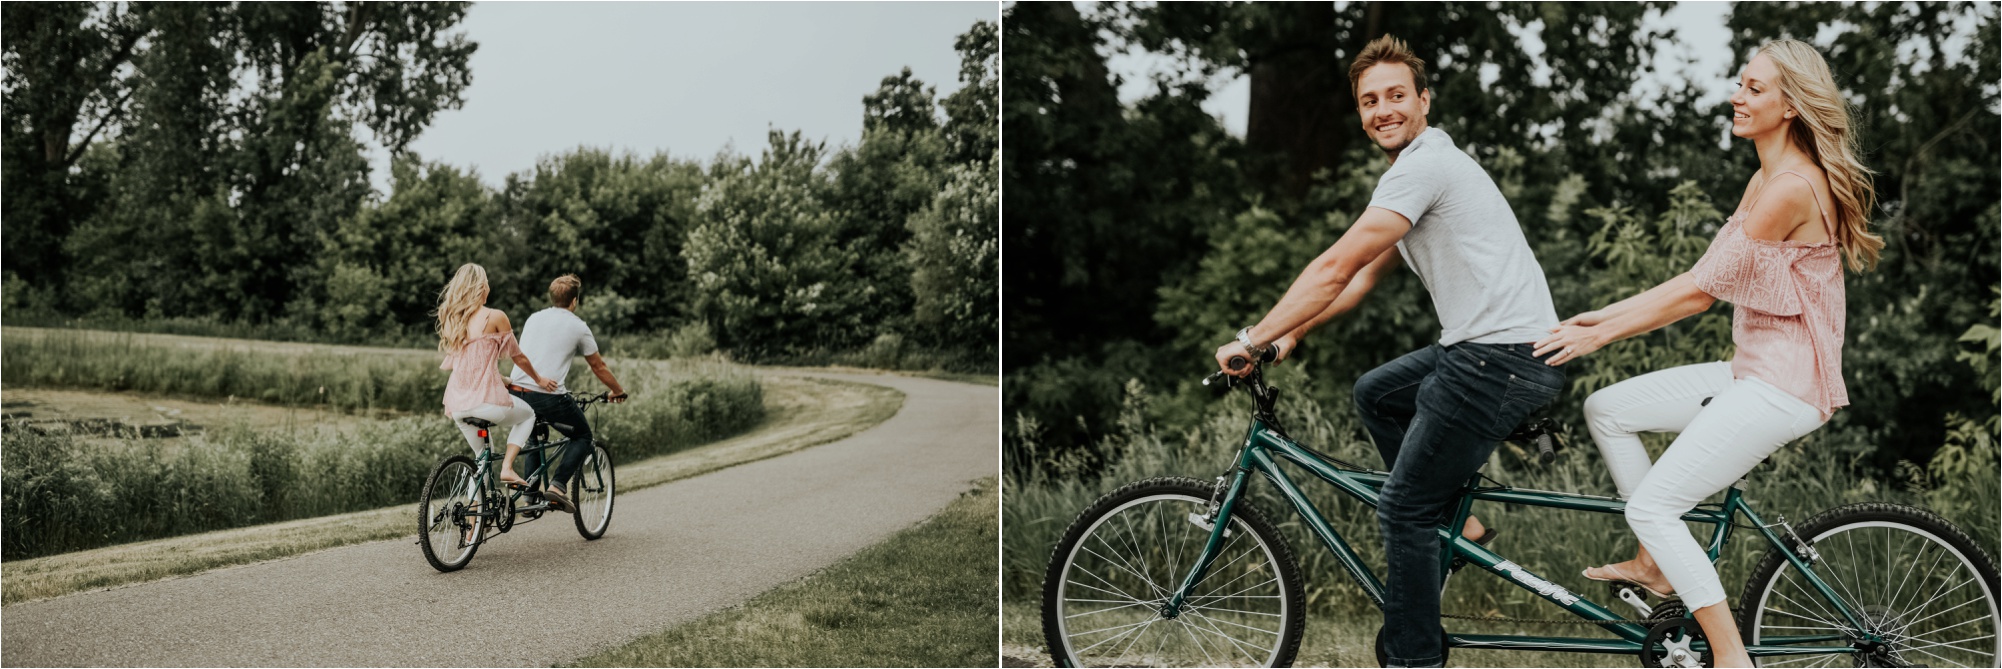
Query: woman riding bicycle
pixel 1778 260
pixel 472 338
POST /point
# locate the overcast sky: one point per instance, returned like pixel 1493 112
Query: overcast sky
pixel 686 78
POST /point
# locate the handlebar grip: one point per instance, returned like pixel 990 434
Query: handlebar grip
pixel 1238 362
pixel 1546 449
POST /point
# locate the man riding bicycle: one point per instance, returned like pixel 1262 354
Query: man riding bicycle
pixel 552 338
pixel 1435 414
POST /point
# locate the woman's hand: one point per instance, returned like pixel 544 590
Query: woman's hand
pixel 547 384
pixel 1589 318
pixel 1571 342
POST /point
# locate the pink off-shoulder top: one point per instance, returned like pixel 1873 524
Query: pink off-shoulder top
pixel 1788 310
pixel 476 380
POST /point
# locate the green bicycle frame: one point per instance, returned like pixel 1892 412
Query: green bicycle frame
pixel 489 478
pixel 1265 446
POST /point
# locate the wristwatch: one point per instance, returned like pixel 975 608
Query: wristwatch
pixel 1256 351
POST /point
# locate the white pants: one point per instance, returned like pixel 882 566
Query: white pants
pixel 1744 421
pixel 518 418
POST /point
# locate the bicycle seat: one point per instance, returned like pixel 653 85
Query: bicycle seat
pixel 476 421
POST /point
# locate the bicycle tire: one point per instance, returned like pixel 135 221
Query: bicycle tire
pixel 1903 536
pixel 594 506
pixel 447 474
pixel 1161 506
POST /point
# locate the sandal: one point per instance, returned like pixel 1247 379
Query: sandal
pixel 1621 577
pixel 559 500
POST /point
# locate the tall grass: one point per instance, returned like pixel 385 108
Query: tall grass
pixel 1796 482
pixel 341 379
pixel 61 493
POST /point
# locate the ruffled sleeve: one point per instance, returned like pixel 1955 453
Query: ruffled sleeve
pixel 508 346
pixel 1743 272
pixel 450 358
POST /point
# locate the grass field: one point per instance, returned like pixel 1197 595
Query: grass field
pixel 805 412
pixel 63 491
pixel 910 599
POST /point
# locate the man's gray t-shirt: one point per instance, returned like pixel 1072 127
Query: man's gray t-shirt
pixel 1465 245
pixel 551 339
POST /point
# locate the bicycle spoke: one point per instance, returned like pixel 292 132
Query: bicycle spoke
pixel 1937 556
pixel 1126 626
pixel 1120 564
pixel 1239 645
pixel 1815 600
pixel 1141 634
pixel 1936 655
pixel 1250 613
pixel 1950 644
pixel 1247 588
pixel 1901 631
pixel 1226 622
pixel 1208 661
pixel 1817 605
pixel 1909 625
pixel 1103 610
pixel 1143 580
pixel 1114 588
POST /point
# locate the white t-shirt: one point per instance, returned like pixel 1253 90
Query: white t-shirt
pixel 1465 245
pixel 551 339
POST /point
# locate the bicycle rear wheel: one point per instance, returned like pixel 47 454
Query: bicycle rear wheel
pixel 1916 581
pixel 591 489
pixel 1121 560
pixel 445 515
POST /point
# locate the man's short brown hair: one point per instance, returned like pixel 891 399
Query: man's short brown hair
pixel 1386 49
pixel 564 290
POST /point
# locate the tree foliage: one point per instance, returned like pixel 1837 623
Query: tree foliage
pixel 206 162
pixel 1140 235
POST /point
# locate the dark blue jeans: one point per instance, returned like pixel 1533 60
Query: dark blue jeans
pixel 1436 414
pixel 551 408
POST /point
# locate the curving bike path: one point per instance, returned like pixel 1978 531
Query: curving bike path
pixel 540 595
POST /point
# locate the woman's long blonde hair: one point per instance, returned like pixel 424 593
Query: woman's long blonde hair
pixel 1823 129
pixel 457 304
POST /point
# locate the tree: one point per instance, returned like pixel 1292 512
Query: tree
pixel 233 142
pixel 767 274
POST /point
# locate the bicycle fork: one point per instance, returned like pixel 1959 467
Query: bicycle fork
pixel 1219 526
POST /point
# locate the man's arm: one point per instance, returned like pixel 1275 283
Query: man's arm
pixel 1326 278
pixel 1350 297
pixel 604 375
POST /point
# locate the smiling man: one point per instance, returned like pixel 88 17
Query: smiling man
pixel 1436 414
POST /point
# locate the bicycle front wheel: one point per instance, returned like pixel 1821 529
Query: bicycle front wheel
pixel 1915 581
pixel 447 514
pixel 591 490
pixel 1122 559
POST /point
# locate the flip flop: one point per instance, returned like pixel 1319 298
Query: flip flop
pixel 559 500
pixel 1487 536
pixel 1624 579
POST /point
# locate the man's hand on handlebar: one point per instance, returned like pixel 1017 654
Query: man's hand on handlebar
pixel 1283 347
pixel 616 398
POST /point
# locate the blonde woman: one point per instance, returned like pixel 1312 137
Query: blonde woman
pixel 473 337
pixel 1779 261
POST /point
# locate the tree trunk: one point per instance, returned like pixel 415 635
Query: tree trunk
pixel 1299 97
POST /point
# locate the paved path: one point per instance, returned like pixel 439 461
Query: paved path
pixel 541 595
